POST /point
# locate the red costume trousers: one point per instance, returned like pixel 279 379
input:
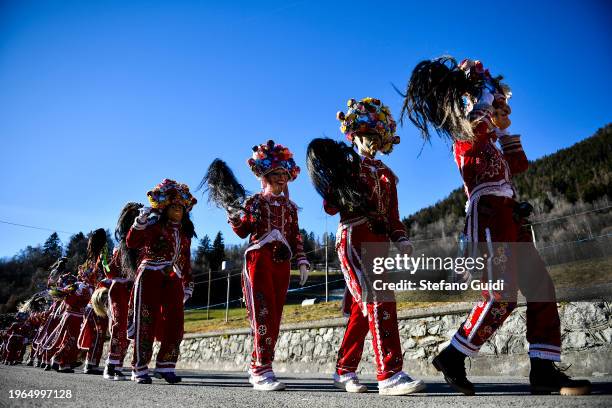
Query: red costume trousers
pixel 156 311
pixel 14 347
pixel 64 339
pixel 379 318
pixel 118 299
pixel 44 354
pixel 53 317
pixel 264 285
pixel 520 266
pixel 92 336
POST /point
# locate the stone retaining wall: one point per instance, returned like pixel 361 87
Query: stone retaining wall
pixel 312 347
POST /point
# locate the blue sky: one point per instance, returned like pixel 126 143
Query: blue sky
pixel 101 100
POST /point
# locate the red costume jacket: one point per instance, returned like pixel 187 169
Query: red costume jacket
pixel 486 169
pixel 162 246
pixel 77 299
pixel 264 214
pixel 380 183
pixel 20 328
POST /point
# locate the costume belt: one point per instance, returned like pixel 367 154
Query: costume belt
pixel 159 265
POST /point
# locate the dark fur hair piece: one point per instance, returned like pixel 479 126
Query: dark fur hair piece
pixel 126 219
pixel 38 302
pixel 223 188
pixel 57 268
pixel 434 97
pixel 334 169
pixel 59 265
pixel 96 243
pixel 129 257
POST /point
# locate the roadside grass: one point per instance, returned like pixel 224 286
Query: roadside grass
pixel 575 274
pixel 584 273
pixel 195 320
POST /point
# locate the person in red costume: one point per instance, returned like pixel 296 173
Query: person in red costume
pixel 121 273
pixel 270 220
pixel 465 103
pixel 162 235
pixel 368 124
pixel 3 339
pixel 94 328
pixel 63 340
pixel 35 307
pixel 16 336
pixel 52 316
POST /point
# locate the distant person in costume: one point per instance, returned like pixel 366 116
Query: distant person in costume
pixel 270 220
pixel 62 341
pixel 121 274
pixel 466 104
pixel 95 326
pixel 16 337
pixel 363 190
pixel 52 316
pixel 36 308
pixel 162 236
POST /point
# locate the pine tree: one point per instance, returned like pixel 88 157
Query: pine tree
pixel 217 254
pixel 309 244
pixel 202 254
pixel 52 248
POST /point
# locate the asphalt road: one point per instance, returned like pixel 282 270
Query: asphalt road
pixel 230 389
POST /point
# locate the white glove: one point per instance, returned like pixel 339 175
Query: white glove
pixel 185 298
pixel 143 215
pixel 304 271
pixel 405 247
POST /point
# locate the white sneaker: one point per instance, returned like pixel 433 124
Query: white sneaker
pixel 349 383
pixel 400 384
pixel 266 382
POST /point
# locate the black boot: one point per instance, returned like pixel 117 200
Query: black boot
pixel 92 369
pixel 451 362
pixel 170 377
pixel 112 373
pixel 545 378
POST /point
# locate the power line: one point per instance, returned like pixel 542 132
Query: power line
pixel 579 241
pixel 38 228
pixel 533 223
pixel 323 246
pixel 570 215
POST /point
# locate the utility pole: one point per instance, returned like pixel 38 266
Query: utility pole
pixel 223 267
pixel 208 298
pixel 326 264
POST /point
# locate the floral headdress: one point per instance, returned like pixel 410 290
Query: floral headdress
pixel 477 73
pixel 369 115
pixel 65 284
pixel 270 156
pixel 170 192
